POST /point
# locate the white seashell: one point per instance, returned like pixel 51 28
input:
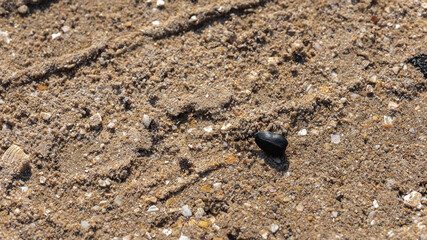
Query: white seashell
pixel 13 163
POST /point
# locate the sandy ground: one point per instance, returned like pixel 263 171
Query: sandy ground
pixel 138 119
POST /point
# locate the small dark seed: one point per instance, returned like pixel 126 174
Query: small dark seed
pixel 271 143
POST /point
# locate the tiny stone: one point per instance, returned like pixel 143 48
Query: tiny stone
pixel 45 116
pixel 186 211
pixel 184 238
pixel 146 120
pixel 208 129
pixel 274 228
pixel 273 60
pixel 199 213
pixel 65 29
pixel 263 233
pixel 153 209
pixel 396 69
pixel 160 3
pixel 95 121
pixel 128 24
pixel 335 214
pixel 373 79
pixel 297 45
pixel 167 232
pixel 300 207
pixel 226 126
pixel 369 89
pixel 375 204
pixel 203 224
pixel 118 201
pixel 217 186
pixel 42 179
pixel 56 35
pixel 317 45
pixel 4 37
pixel 302 132
pixel 85 225
pixel 335 138
pixel 104 183
pixel 23 9
pixel 111 125
pixel 388 121
pixel 413 200
pixel 193 19
pixel 392 105
pixel 156 23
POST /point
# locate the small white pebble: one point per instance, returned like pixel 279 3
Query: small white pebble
pixel 335 138
pixel 184 238
pixel 388 121
pixel 318 46
pixel 111 125
pixel 186 211
pixel 96 208
pixel 167 232
pixel 85 225
pixel 302 132
pixel 153 209
pixel 392 106
pixel 55 35
pixel 375 204
pixel 264 234
pixel 45 115
pixel 156 23
pixel 160 3
pixel 65 28
pixel 208 129
pixel 274 228
pixel 226 126
pixel 42 179
pixel 24 188
pixel 413 200
pixel 199 213
pixel 300 207
pixel 335 214
pixel 217 186
pixel 104 183
pixel 146 120
pixel 118 201
pixel 396 69
pixel 4 37
pixel 193 19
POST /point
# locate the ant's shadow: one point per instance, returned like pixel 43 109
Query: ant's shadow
pixel 278 164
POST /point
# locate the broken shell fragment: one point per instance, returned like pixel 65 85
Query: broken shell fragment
pixel 271 143
pixel 14 162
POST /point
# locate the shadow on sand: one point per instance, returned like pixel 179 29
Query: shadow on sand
pixel 278 164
